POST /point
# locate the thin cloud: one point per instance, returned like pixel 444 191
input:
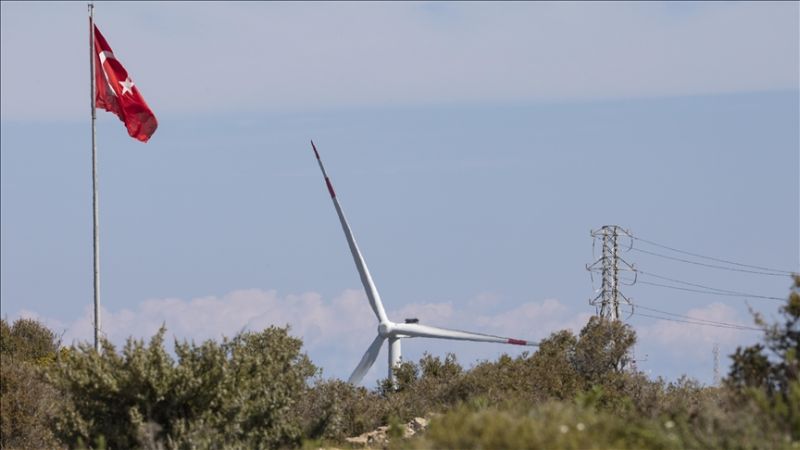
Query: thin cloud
pixel 337 331
pixel 215 57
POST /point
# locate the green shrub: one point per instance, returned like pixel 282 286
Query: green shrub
pixel 551 425
pixel 240 392
pixel 255 391
pixel 768 374
pixel 570 425
pixel 27 401
pixel 334 410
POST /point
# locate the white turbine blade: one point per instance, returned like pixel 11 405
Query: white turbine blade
pixel 363 271
pixel 367 360
pixel 417 330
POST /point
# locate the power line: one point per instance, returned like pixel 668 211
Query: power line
pixel 693 322
pixel 717 290
pixel 610 269
pixel 697 255
pixel 724 294
pixel 709 265
pixel 698 323
pixel 712 322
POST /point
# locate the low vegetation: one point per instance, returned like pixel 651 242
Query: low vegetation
pixel 28 403
pixel 259 390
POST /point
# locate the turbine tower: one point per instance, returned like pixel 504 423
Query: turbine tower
pixel 388 330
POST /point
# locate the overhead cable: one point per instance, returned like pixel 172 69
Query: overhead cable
pixel 698 323
pixel 701 322
pixel 774 274
pixel 711 258
pixel 725 294
pixel 696 319
pixel 716 291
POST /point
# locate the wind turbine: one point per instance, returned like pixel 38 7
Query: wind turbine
pixel 386 328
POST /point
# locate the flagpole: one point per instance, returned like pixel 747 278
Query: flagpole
pixel 95 221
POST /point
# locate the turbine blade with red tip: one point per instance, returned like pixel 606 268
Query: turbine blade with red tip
pixel 361 265
pixel 418 330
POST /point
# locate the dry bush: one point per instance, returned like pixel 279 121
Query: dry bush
pixel 27 401
pixel 334 410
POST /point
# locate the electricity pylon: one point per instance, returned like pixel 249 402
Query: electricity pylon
pixel 609 265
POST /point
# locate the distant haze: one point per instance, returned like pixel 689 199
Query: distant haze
pixel 224 57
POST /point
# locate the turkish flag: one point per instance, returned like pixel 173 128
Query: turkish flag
pixel 115 92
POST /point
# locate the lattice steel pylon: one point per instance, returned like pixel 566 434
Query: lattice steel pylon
pixel 609 265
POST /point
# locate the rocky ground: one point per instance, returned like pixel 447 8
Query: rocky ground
pixel 379 438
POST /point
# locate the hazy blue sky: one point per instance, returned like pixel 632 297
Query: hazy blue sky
pixel 473 146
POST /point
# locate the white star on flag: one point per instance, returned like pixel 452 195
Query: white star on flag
pixel 126 86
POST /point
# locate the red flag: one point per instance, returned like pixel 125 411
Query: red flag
pixel 115 92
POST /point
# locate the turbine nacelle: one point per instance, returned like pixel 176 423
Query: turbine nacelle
pixel 392 330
